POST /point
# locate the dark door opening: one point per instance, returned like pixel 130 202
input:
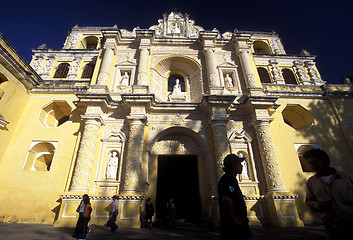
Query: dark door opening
pixel 178 179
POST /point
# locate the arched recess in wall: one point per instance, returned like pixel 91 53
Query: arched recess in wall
pixel 90 42
pixel 54 114
pixel 40 156
pixel 301 149
pixel 261 47
pixel 183 66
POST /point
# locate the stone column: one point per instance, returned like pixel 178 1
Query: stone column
pixel 83 166
pixel 106 64
pixel 145 37
pixel 221 146
pixel 143 66
pixel 270 164
pixel 213 78
pixel 132 181
pixel 246 67
pixel 214 83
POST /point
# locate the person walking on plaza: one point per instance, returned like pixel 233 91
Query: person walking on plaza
pixel 149 212
pixel 233 211
pixel 114 213
pixel 330 193
pixel 84 210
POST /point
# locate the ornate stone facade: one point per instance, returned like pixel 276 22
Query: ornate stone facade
pixel 119 112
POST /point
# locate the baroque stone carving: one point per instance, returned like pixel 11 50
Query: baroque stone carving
pixel 83 167
pixel 134 158
pixel 269 157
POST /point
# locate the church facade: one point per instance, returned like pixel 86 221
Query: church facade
pixel 153 112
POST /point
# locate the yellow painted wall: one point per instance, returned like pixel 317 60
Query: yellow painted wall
pixel 325 132
pixel 22 186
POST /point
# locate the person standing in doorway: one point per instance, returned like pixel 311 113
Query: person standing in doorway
pixel 171 213
pixel 149 212
pixel 233 211
pixel 114 213
pixel 330 193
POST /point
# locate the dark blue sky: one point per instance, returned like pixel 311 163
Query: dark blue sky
pixel 324 28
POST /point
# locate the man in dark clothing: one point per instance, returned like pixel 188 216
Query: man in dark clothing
pixel 233 212
pixel 330 193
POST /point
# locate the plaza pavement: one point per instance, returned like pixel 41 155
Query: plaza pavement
pixel 15 231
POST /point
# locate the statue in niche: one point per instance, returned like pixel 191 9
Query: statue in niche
pixel 176 28
pixel 228 81
pixel 244 174
pixel 177 89
pixel 125 80
pixel 112 166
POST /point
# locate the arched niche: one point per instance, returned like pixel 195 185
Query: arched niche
pixel 90 42
pixel 241 145
pixel 184 66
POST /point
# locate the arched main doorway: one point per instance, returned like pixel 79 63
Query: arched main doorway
pixel 180 169
pixel 178 179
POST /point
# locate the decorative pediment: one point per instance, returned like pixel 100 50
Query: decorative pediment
pixel 176 25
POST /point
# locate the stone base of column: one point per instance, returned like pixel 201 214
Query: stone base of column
pixel 129 215
pixel 99 89
pixel 215 90
pixel 140 89
pixel 282 210
pixel 255 91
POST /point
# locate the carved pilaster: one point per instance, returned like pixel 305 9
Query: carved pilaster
pixel 83 167
pixel 301 73
pixel 313 73
pixel 132 181
pixel 276 72
pixel 268 153
pixel 221 146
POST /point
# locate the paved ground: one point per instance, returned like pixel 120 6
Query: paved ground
pixel 12 231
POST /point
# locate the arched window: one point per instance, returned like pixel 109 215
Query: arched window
pixel 303 162
pixel 55 114
pixel 288 76
pixel 264 76
pixel 40 156
pixel 88 70
pixel 62 70
pixel 172 80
